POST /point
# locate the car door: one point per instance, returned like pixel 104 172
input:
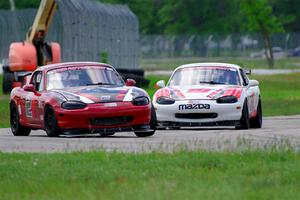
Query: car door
pixel 251 94
pixel 32 104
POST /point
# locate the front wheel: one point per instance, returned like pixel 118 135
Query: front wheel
pixel 50 121
pixel 16 128
pixel 152 124
pixel 244 121
pixel 256 122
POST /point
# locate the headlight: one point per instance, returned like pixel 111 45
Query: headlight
pixel 165 100
pixel 70 105
pixel 140 101
pixel 227 99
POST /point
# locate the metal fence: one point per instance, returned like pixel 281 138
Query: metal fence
pixel 213 45
pixel 84 29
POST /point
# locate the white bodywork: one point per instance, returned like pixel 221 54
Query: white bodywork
pixel 196 105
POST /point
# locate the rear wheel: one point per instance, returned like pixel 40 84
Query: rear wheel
pixel 51 126
pixel 256 122
pixel 152 124
pixel 244 121
pixel 16 128
pixel 8 80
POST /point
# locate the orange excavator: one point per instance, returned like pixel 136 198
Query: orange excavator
pixel 26 56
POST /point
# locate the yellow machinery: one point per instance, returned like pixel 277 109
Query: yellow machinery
pixel 34 51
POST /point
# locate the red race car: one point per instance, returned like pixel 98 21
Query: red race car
pixel 80 97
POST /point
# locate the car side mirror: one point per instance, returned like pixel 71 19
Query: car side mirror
pixel 253 83
pixel 160 84
pixel 29 88
pixel 130 82
pixel 247 71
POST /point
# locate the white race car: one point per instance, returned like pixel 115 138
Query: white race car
pixel 208 94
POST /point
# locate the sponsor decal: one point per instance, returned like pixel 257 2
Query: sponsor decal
pixel 192 68
pixel 198 106
pixel 19 108
pixel 28 108
pixel 105 98
pixel 109 105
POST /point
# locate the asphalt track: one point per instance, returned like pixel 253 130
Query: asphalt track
pixel 277 132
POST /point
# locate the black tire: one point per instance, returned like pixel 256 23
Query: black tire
pixel 8 79
pixel 244 121
pixel 152 124
pixel 256 122
pixel 50 123
pixel 16 128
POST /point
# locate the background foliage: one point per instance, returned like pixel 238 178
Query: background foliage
pixel 194 16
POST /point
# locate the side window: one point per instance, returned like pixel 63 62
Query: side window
pixel 41 85
pixel 36 81
pixel 244 77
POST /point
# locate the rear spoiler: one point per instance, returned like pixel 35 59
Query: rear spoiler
pixel 19 76
pixel 247 71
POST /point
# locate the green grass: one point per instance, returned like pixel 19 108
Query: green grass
pixel 4 111
pixel 280 93
pixel 182 175
pixel 172 63
pixel 4 107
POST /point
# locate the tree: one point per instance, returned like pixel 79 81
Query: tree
pixel 146 11
pixel 259 17
pixel 200 16
pixel 288 13
pixel 4 5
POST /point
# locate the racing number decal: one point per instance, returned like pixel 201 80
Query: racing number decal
pixel 28 108
pixel 252 103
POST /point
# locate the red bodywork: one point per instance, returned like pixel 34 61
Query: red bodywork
pixel 31 107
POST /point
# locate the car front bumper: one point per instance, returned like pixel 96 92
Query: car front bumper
pixel 104 117
pixel 197 113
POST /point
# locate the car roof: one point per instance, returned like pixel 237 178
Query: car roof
pixel 70 64
pixel 209 64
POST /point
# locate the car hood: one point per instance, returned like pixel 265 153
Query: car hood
pixel 207 92
pixel 100 94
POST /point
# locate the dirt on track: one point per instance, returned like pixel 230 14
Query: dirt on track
pixel 277 132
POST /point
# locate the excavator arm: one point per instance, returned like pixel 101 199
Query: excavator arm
pixel 34 51
pixel 42 21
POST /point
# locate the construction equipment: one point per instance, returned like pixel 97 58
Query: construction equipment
pixel 34 51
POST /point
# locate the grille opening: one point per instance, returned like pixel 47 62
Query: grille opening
pixel 110 121
pixel 196 115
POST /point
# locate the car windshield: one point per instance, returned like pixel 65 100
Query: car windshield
pixel 82 76
pixel 205 75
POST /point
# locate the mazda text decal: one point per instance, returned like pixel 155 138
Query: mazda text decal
pixel 193 106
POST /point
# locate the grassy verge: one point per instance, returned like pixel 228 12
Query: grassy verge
pixel 182 175
pixel 280 93
pixel 4 111
pixel 172 63
pixel 4 108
